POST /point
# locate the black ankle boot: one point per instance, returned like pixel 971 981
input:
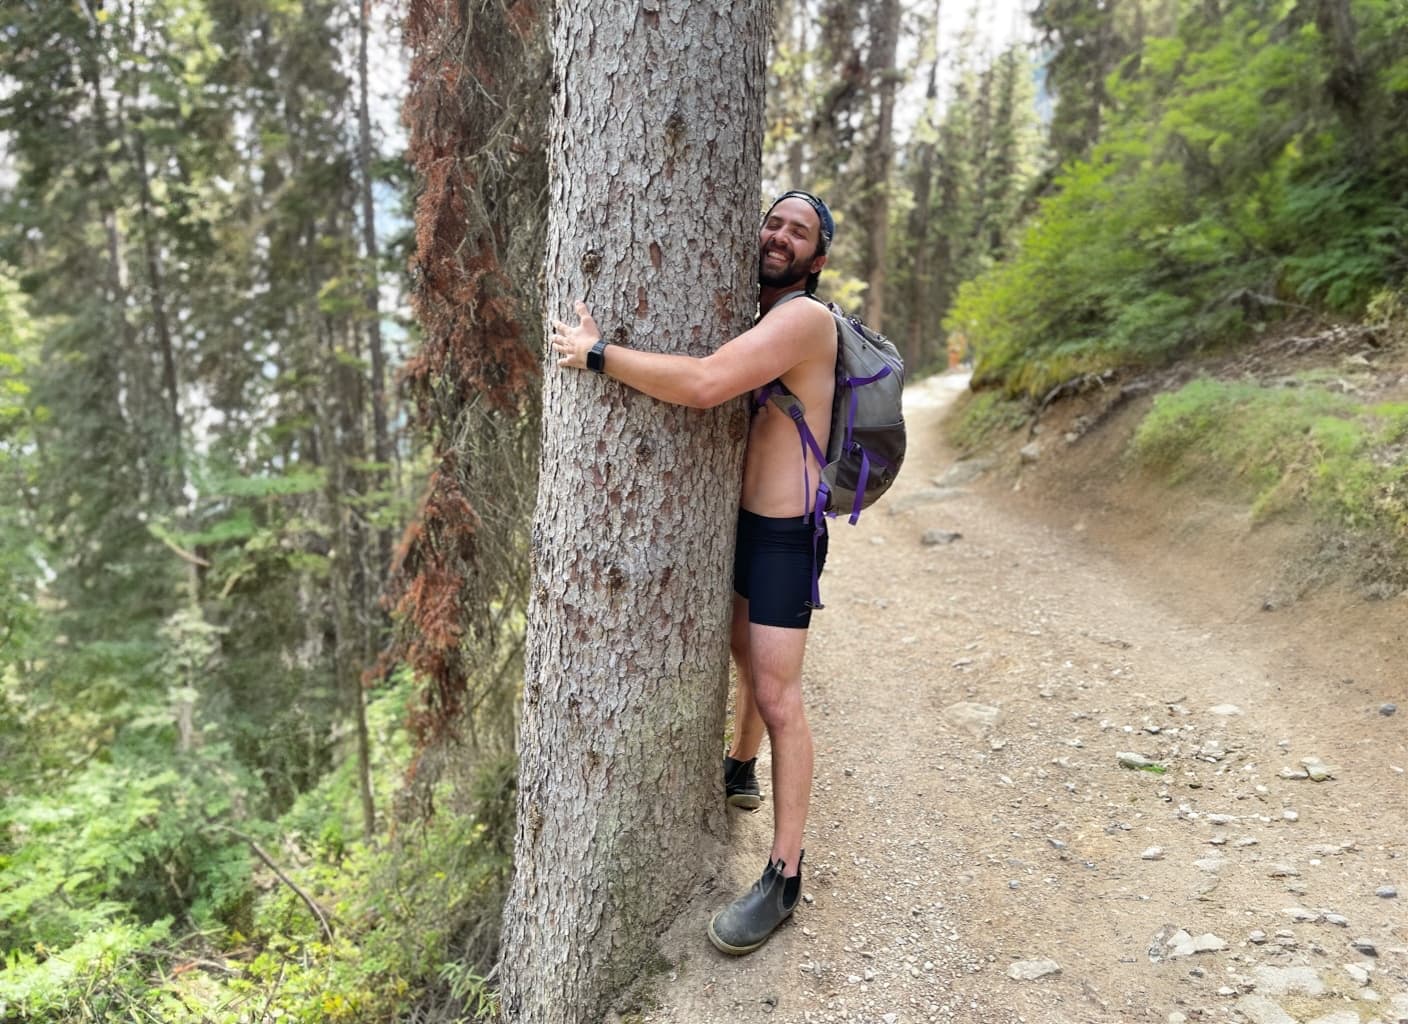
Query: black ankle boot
pixel 746 923
pixel 741 783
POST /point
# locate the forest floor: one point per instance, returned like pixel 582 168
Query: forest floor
pixel 977 852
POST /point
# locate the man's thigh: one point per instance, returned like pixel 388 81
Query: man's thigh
pixel 775 655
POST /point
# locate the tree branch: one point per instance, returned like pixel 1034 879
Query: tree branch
pixel 308 901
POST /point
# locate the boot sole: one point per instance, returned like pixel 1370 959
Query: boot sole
pixel 724 947
pixel 746 801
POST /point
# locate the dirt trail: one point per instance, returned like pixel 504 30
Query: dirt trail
pixel 944 852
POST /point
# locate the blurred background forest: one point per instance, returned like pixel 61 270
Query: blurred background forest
pixel 269 350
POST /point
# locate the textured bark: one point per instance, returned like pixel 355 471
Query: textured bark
pixel 884 39
pixel 919 217
pixel 654 172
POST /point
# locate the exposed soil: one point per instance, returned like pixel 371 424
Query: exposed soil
pixel 1098 616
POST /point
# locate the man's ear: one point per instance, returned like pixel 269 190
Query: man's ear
pixel 817 264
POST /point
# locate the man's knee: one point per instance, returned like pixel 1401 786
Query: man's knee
pixel 779 701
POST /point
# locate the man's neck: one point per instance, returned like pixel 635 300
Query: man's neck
pixel 768 294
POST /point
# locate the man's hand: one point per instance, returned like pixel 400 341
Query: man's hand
pixel 573 343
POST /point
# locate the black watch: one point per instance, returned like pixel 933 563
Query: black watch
pixel 596 358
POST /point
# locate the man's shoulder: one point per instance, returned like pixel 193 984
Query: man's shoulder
pixel 806 313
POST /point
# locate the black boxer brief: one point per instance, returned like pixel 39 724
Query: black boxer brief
pixel 772 568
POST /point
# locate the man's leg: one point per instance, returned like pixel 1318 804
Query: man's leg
pixel 774 660
pixel 747 723
pixel 775 656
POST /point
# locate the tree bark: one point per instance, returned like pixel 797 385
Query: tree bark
pixel 884 38
pixel 920 317
pixel 654 174
pixel 381 436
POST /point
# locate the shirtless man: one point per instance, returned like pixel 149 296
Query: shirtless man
pixel 793 342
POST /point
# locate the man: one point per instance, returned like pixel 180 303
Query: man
pixel 776 555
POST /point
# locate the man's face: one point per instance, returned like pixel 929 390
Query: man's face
pixel 788 244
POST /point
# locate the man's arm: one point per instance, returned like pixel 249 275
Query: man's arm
pixel 788 336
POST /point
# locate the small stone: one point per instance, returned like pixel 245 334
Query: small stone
pixel 1338 920
pixel 1290 815
pixel 1386 892
pixel 1359 974
pixel 963 472
pixel 975 718
pixel 891 1018
pixel 1030 452
pixel 1365 946
pixel 1281 870
pixel 1031 970
pixel 1257 938
pixel 1260 1010
pixel 1317 769
pixel 1283 981
pixel 1225 710
pixel 1213 864
pixel 1153 853
pixel 1056 844
pixel 1387 709
pixel 933 538
pixel 1221 819
pixel 1301 914
pixel 1130 759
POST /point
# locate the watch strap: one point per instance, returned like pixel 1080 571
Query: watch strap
pixel 596 357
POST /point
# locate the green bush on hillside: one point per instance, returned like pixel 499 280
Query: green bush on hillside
pixel 1227 185
pixel 1290 448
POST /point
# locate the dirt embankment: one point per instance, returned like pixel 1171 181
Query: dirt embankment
pixel 998 646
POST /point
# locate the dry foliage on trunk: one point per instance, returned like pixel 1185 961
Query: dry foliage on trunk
pixel 475 111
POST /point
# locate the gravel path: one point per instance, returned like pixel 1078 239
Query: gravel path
pixel 981 847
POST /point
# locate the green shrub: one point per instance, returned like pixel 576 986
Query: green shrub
pixel 1287 449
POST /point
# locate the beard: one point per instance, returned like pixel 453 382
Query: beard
pixel 780 275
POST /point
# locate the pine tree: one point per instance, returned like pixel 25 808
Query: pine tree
pixel 626 666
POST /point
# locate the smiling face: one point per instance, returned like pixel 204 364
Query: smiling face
pixel 789 245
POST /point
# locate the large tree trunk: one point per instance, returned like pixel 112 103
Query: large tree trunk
pixel 921 316
pixel 381 434
pixel 654 172
pixel 884 39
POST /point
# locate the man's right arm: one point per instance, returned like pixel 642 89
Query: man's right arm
pixel 785 338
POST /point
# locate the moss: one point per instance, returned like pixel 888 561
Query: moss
pixel 979 417
pixel 1301 450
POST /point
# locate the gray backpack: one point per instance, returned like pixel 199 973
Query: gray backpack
pixel 866 447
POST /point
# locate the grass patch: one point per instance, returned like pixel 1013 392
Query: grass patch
pixel 1292 450
pixel 979 417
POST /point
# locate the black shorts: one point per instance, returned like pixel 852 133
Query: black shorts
pixel 772 568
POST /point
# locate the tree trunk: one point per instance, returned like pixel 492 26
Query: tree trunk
pixel 919 312
pixel 654 174
pixel 381 438
pixel 884 37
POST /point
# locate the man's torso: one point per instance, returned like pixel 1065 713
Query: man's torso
pixel 774 482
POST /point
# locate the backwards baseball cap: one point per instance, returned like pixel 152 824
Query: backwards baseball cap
pixel 823 213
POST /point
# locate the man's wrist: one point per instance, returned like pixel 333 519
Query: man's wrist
pixel 596 357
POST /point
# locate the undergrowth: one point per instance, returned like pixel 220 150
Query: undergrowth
pixel 1291 450
pixel 982 417
pixel 413 916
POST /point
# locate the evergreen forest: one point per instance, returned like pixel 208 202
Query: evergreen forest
pixel 270 356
